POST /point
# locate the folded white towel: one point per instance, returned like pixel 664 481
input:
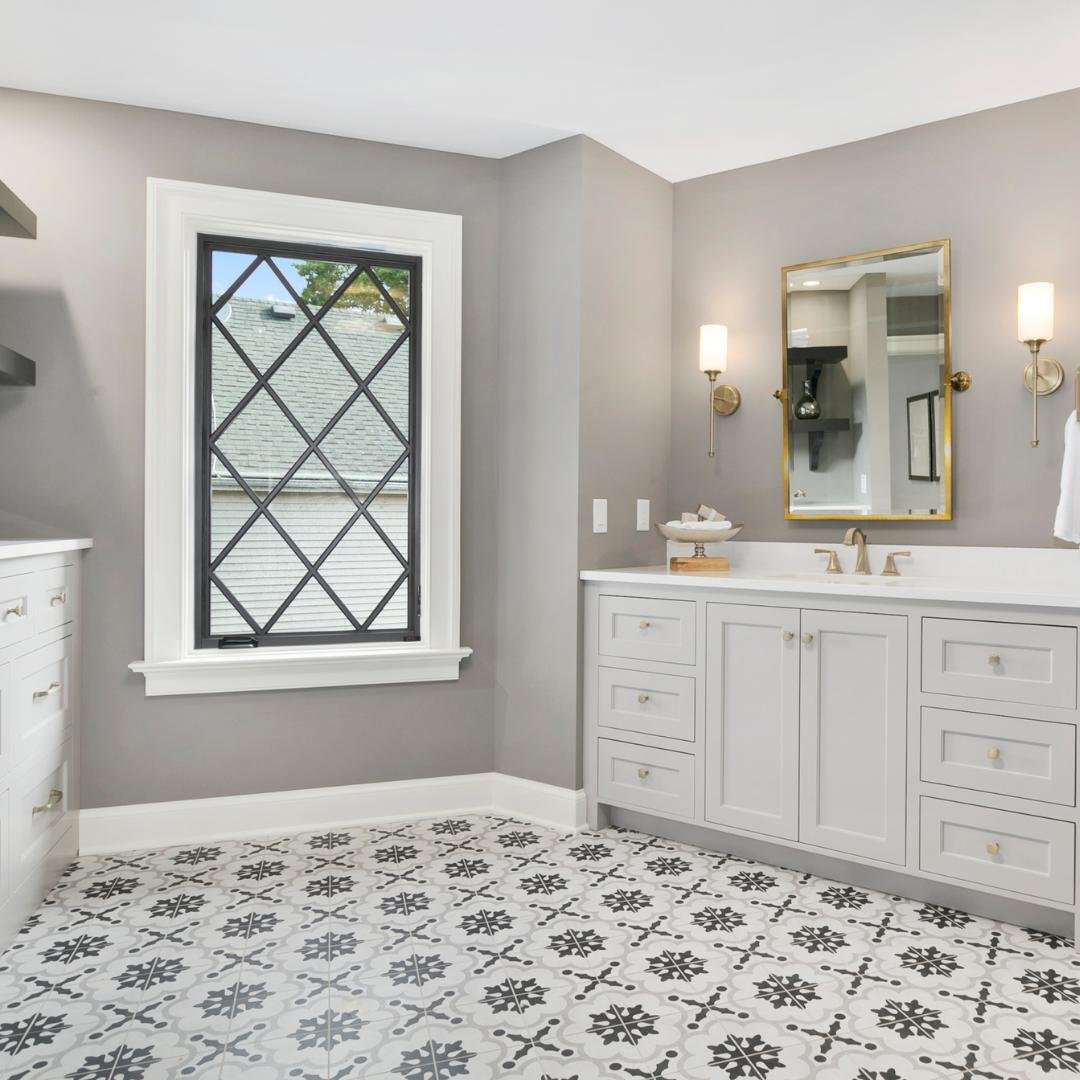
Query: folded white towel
pixel 715 525
pixel 1067 519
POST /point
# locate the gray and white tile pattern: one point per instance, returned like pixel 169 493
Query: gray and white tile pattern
pixel 483 947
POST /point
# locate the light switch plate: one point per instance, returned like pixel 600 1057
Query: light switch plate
pixel 599 515
pixel 643 515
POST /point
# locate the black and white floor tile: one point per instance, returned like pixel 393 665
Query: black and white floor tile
pixel 482 947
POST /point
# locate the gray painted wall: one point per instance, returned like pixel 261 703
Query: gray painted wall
pixel 625 356
pixel 72 447
pixel 1001 185
pixel 539 401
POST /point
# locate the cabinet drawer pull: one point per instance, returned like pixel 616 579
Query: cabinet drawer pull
pixel 644 624
pixel 642 699
pixel 807 639
pixel 788 635
pixel 993 848
pixel 993 660
pixel 15 611
pixel 993 753
pixel 56 797
pixel 53 687
pixel 643 774
pixel 59 598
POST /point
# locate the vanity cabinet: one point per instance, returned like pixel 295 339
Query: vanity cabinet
pixel 860 724
pixel 752 718
pixel 804 726
pixel 853 704
pixel 39 736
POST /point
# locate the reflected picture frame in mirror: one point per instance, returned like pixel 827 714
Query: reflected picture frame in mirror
pixel 807 424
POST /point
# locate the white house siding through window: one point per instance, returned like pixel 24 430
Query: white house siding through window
pixel 262 445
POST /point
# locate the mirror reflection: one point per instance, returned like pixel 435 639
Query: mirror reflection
pixel 866 370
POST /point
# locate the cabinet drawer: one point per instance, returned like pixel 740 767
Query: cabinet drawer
pixel 644 629
pixel 1020 853
pixel 16 607
pixel 646 702
pixel 1008 755
pixel 39 808
pixel 42 691
pixel 1023 662
pixel 54 597
pixel 646 778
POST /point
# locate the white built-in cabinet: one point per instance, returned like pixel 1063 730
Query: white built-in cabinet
pixel 752 718
pixel 804 726
pixel 40 597
pixel 852 707
pixel 933 739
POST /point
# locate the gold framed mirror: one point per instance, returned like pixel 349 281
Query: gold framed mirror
pixel 866 359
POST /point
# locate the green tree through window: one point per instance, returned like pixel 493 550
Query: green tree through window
pixel 322 278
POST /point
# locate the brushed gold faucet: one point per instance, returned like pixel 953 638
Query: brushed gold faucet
pixel 857 538
pixel 834 562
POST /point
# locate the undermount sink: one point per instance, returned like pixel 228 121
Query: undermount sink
pixel 822 578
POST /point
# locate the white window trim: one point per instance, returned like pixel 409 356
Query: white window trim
pixel 177 213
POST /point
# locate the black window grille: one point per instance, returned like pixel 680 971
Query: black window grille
pixel 307 418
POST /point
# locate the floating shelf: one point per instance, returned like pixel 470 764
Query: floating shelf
pixel 16 369
pixel 16 218
pixel 816 354
pixel 837 423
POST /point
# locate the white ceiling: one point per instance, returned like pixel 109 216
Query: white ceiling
pixel 685 87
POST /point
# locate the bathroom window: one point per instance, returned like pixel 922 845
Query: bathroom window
pixel 303 442
pixel 307 394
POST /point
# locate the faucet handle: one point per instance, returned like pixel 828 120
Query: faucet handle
pixel 890 563
pixel 834 562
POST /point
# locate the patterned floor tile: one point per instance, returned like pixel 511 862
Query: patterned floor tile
pixel 477 947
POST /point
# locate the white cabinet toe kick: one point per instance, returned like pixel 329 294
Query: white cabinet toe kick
pixel 928 742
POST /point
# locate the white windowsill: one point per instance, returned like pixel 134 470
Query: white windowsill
pixel 275 668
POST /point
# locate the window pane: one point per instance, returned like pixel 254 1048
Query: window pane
pixel 346 559
pixel 261 444
pixel 362 569
pixel 260 572
pixel 313 508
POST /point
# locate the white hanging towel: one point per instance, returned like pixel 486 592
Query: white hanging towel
pixel 1067 519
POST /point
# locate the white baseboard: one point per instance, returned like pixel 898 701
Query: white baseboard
pixel 192 821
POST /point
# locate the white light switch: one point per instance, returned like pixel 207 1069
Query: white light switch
pixel 643 515
pixel 599 515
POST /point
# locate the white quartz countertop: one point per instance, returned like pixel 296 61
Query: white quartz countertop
pixel 1023 577
pixel 20 548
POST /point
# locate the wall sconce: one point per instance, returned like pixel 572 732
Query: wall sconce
pixel 712 360
pixel 1035 327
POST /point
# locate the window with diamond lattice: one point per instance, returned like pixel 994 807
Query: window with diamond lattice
pixel 307 397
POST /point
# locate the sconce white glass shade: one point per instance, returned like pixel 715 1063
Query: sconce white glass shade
pixel 712 350
pixel 1035 311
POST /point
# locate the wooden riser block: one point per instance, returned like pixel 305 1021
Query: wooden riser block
pixel 710 564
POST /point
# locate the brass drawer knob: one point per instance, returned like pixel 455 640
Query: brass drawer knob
pixel 14 612
pixel 56 797
pixel 644 624
pixel 808 639
pixel 993 848
pixel 643 774
pixel 789 634
pixel 993 753
pixel 52 689
pixel 993 660
pixel 642 699
pixel 59 598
